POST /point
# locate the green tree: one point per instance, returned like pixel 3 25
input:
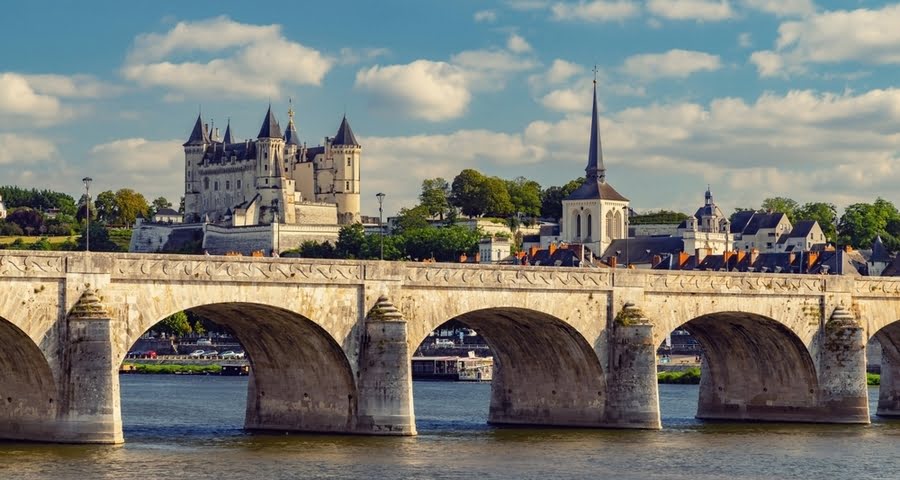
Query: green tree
pixel 100 241
pixel 105 207
pixel 659 217
pixel 525 196
pixel 181 206
pixel 822 212
pixel 467 192
pixel 350 241
pixel 495 198
pixel 784 205
pixel 198 328
pixel 412 218
pixel 130 205
pixel 435 197
pixel 177 324
pixel 552 197
pixel 862 222
pixel 29 219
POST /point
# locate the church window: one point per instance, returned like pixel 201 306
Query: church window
pixel 610 225
pixel 227 184
pixel 619 224
pixel 589 226
pixel 578 226
pixel 206 183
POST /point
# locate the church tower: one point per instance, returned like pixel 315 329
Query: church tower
pixel 345 151
pixel 194 151
pixel 594 214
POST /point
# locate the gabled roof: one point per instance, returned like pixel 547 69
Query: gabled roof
pixel 762 220
pixel 270 127
pixel 892 270
pixel 879 252
pixel 740 220
pixel 802 228
pixel 199 135
pixel 344 135
pixel 634 250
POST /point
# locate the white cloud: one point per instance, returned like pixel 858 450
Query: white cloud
pixel 768 63
pixel 560 71
pixel 255 60
pixel 517 44
pixel 782 8
pixel 151 167
pixel 524 5
pixel 701 10
pixel 20 102
pixel 351 56
pixel 745 40
pixel 18 150
pixel 863 36
pixel 433 91
pixel 672 64
pixel 71 86
pixel 595 10
pixel 486 16
pixel 565 100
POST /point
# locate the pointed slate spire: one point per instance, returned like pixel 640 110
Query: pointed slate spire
pixel 290 135
pixel 344 135
pixel 270 127
pixel 229 137
pixel 595 168
pixel 199 135
pixel 879 252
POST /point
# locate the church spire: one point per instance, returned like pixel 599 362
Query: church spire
pixel 595 169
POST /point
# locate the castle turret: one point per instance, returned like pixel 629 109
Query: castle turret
pixel 275 189
pixel 194 150
pixel 229 137
pixel 345 152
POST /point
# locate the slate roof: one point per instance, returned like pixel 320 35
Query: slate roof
pixel 344 135
pixel 595 167
pixel 594 189
pixel 290 135
pixel 740 221
pixel 199 135
pixel 167 212
pixel 802 228
pixel 229 137
pixel 762 220
pixel 549 231
pixel 221 153
pixel 270 127
pixel 879 252
pixel 635 249
pixel 892 270
pixel 562 257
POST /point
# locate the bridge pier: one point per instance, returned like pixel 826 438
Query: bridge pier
pixel 633 393
pixel 385 376
pixel 889 390
pixel 843 388
pixel 90 409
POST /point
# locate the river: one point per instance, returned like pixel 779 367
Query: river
pixel 190 427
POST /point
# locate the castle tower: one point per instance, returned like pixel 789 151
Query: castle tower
pixel 594 214
pixel 345 152
pixel 291 139
pixel 275 190
pixel 194 150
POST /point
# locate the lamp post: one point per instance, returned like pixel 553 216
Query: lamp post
pixel 380 226
pixel 87 208
pixel 625 211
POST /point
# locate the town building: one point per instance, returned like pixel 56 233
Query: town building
pixel 494 249
pixel 167 215
pixel 2 208
pixel 268 194
pixel 595 214
pixel 879 259
pixel 707 230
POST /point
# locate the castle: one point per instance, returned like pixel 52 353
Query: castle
pixel 269 194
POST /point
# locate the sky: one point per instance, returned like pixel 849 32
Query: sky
pixel 755 98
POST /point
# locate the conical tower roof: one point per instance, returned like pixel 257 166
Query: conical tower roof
pixel 879 252
pixel 270 127
pixel 229 137
pixel 199 135
pixel 344 135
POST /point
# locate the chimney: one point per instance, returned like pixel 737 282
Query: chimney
pixel 477 257
pixel 726 256
pixel 811 258
pixel 740 256
pixel 655 261
pixel 613 261
pixel 551 249
pixel 532 251
pixel 463 257
pixel 754 254
pixel 683 257
pixel 848 248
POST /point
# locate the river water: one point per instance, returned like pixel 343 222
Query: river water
pixel 190 427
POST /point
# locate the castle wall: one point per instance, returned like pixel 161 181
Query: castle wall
pixel 266 238
pixel 157 237
pixel 316 214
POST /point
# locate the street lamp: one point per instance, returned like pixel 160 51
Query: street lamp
pixel 380 226
pixel 625 210
pixel 87 208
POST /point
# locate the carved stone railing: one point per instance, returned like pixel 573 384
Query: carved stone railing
pixel 505 277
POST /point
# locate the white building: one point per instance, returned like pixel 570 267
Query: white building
pixel 594 214
pixel 167 215
pixel 2 208
pixel 707 230
pixel 493 250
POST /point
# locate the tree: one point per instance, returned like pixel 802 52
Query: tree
pixel 822 212
pixel 467 193
pixel 181 206
pixel 552 197
pixel 199 329
pixel 158 204
pixel 100 241
pixel 862 222
pixel 130 205
pixel 28 219
pixel 412 218
pixel 525 196
pixel 106 207
pixel 783 205
pixel 435 197
pixel 495 197
pixel 659 217
pixel 350 241
pixel 177 324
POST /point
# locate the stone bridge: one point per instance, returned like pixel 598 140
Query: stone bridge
pixel 330 341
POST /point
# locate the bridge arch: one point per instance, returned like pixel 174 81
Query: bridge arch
pixel 888 337
pixel 753 368
pixel 300 378
pixel 28 390
pixel 545 370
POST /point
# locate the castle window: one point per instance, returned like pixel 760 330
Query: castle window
pixel 206 183
pixel 238 184
pixel 266 166
pixel 349 162
pixel 267 181
pixel 265 155
pixel 347 187
pixel 227 184
pixel 216 186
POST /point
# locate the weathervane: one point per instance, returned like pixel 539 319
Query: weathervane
pixel 595 73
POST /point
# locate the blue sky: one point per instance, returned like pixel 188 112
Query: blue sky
pixel 755 97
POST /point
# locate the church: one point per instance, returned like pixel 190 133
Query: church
pixel 265 194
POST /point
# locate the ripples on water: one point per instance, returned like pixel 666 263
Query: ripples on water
pixel 190 427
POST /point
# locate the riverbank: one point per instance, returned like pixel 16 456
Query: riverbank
pixel 170 369
pixel 691 376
